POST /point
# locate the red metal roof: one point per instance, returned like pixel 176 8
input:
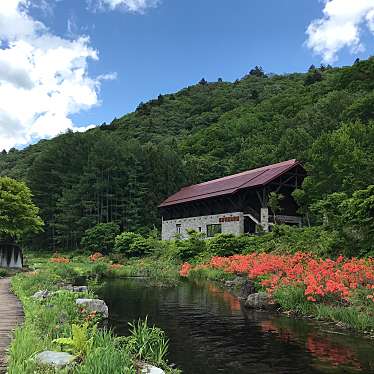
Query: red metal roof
pixel 230 184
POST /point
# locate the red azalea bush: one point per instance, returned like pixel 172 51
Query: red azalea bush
pixel 185 269
pixel 56 259
pixel 96 256
pixel 115 266
pixel 322 279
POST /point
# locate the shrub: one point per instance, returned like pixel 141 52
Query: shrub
pixel 124 241
pixel 140 247
pixel 99 270
pixel 96 257
pixel 100 237
pixel 195 245
pixel 224 245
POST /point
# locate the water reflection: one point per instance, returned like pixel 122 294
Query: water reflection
pixel 211 332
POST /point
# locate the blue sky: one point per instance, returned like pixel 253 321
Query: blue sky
pixel 163 48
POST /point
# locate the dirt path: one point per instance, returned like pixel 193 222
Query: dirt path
pixel 11 314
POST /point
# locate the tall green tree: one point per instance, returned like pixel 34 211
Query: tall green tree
pixel 18 214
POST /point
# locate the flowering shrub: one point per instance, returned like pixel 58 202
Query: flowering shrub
pixel 56 259
pixel 115 266
pixel 185 269
pixel 322 280
pixel 96 256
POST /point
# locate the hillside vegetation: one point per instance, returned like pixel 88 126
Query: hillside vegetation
pixel 120 172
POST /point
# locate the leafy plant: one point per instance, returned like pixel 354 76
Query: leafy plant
pixel 224 245
pixel 100 237
pixel 80 342
pixel 19 215
pixel 191 247
pixel 147 343
pixel 124 240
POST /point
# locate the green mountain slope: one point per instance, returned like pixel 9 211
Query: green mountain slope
pixel 121 171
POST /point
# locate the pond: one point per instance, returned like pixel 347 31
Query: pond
pixel 211 332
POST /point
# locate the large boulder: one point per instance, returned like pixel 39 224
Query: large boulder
pixel 55 359
pixel 260 300
pixel 43 294
pixel 94 305
pixel 236 282
pixel 248 288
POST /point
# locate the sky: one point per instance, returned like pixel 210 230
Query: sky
pixel 74 64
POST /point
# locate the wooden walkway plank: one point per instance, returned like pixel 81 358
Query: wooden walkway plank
pixel 11 314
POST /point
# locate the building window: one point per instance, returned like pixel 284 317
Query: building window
pixel 178 228
pixel 212 230
pixel 199 229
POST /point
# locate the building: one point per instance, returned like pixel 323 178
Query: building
pixel 234 204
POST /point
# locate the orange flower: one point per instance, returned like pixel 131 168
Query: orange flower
pixel 96 256
pixel 321 279
pixel 59 260
pixel 115 266
pixel 185 269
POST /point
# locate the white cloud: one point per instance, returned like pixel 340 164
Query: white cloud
pixel 340 27
pixel 136 6
pixel 43 78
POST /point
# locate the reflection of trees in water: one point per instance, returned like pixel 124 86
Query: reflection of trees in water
pixel 211 332
pixel 232 301
pixel 321 347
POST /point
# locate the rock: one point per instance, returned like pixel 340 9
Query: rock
pixel 149 369
pixel 260 300
pixel 76 288
pixel 248 288
pixel 236 282
pixel 43 294
pixel 94 305
pixel 55 359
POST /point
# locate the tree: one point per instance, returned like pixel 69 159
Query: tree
pixel 203 82
pixel 312 77
pixel 257 71
pixel 18 213
pixel 274 203
pixel 100 238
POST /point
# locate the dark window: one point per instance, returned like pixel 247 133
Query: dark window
pixel 212 230
pixel 199 229
pixel 178 227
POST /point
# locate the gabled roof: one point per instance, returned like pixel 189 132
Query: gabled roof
pixel 230 184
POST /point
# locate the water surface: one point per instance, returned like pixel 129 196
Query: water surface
pixel 211 332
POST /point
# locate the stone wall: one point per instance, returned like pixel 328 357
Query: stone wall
pixel 232 223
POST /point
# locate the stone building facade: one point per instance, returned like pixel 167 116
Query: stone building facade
pixel 232 223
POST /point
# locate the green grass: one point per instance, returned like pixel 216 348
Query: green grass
pixel 210 274
pixel 52 318
pixel 358 315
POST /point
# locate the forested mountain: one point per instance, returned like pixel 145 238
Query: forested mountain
pixel 121 171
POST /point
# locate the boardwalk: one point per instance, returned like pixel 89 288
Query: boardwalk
pixel 11 314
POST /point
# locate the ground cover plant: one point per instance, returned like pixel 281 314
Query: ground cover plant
pixel 341 290
pixel 57 323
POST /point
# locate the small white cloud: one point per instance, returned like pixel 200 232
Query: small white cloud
pixel 107 77
pixel 135 6
pixel 43 78
pixel 340 27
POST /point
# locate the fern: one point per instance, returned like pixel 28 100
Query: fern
pixel 79 343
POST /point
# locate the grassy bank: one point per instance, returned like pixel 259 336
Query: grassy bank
pixel 340 290
pixel 97 350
